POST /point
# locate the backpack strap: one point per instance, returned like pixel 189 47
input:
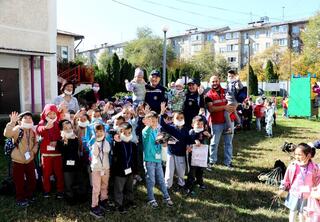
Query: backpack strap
pixel 19 137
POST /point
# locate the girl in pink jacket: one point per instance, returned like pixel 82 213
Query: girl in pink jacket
pixel 300 177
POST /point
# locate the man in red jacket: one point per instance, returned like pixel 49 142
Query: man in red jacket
pixel 51 160
pixel 217 104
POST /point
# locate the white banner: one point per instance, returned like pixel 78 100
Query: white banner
pixel 199 156
pixel 271 87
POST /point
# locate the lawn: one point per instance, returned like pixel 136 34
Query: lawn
pixel 231 195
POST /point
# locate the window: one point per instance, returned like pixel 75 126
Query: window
pixel 64 53
pixel 296 30
pixel 295 43
pixel 232 59
pixel 231 48
pixel 209 37
pixel 235 35
pixel 195 37
pixel 256 35
pixel 228 35
pixel 268 33
pixel 280 42
pixel 222 49
pixel 267 45
pixel 283 28
pixel 221 38
pixel 246 35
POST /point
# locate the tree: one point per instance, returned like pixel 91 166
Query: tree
pixel 81 60
pixel 269 72
pixel 221 67
pixel 253 82
pixel 146 51
pixel 115 73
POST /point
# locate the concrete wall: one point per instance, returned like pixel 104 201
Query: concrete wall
pixel 68 41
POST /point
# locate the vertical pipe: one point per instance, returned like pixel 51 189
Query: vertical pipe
pixel 32 83
pixel 164 65
pixel 42 81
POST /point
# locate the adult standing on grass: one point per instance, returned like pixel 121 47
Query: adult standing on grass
pixel 216 104
pixel 155 93
pixel 67 91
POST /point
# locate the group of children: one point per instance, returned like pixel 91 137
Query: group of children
pixel 107 149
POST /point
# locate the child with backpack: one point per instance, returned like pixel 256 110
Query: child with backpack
pixel 20 129
pixel 51 159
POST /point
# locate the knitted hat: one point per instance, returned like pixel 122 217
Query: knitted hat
pixel 179 82
pixel 138 72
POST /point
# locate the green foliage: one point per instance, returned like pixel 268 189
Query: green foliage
pixel 269 72
pixel 81 60
pixel 253 82
pixel 146 51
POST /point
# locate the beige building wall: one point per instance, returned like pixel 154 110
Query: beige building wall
pixel 67 41
pixel 28 28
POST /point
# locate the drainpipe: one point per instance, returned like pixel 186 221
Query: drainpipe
pixel 42 81
pixel 32 83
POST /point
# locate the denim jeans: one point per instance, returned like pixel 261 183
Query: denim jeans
pixel 217 130
pixel 154 173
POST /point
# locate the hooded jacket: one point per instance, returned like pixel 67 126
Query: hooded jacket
pixel 49 135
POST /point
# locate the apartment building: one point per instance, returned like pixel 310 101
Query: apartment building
pixel 234 44
pixel 94 54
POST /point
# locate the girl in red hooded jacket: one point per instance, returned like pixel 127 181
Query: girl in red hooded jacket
pixel 51 160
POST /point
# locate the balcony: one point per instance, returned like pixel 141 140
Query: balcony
pixel 76 73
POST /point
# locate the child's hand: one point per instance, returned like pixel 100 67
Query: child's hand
pixel 146 121
pixel 126 81
pixel 163 108
pixel 189 149
pixel 147 109
pixel 49 124
pixel 14 117
pixel 206 133
pixel 198 144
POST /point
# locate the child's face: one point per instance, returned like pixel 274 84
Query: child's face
pixel 153 122
pixel 139 78
pixel 67 127
pixel 99 133
pixel 118 122
pixel 301 157
pixel 198 125
pixel 126 132
pixel 27 119
pixel 127 114
pixel 179 87
pixel 179 117
pixel 52 115
pixel 96 115
pixel 231 76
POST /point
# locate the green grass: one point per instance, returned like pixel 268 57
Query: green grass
pixel 231 195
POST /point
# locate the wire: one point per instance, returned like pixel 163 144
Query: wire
pixel 223 9
pixel 159 16
pixel 191 12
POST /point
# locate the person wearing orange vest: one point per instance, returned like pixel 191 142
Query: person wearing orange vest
pixel 217 104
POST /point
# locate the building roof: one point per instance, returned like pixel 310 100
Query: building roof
pixel 263 25
pixel 105 46
pixel 76 36
pixel 203 31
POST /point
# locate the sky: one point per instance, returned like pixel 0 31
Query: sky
pixel 111 22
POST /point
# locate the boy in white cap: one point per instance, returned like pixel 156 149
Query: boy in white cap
pixel 137 87
pixel 177 96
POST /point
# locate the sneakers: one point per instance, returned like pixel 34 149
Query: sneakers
pixel 22 203
pixel 229 166
pixel 46 195
pixel 169 202
pixel 59 195
pixel 96 212
pixel 153 204
pixel 104 205
pixel 31 199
